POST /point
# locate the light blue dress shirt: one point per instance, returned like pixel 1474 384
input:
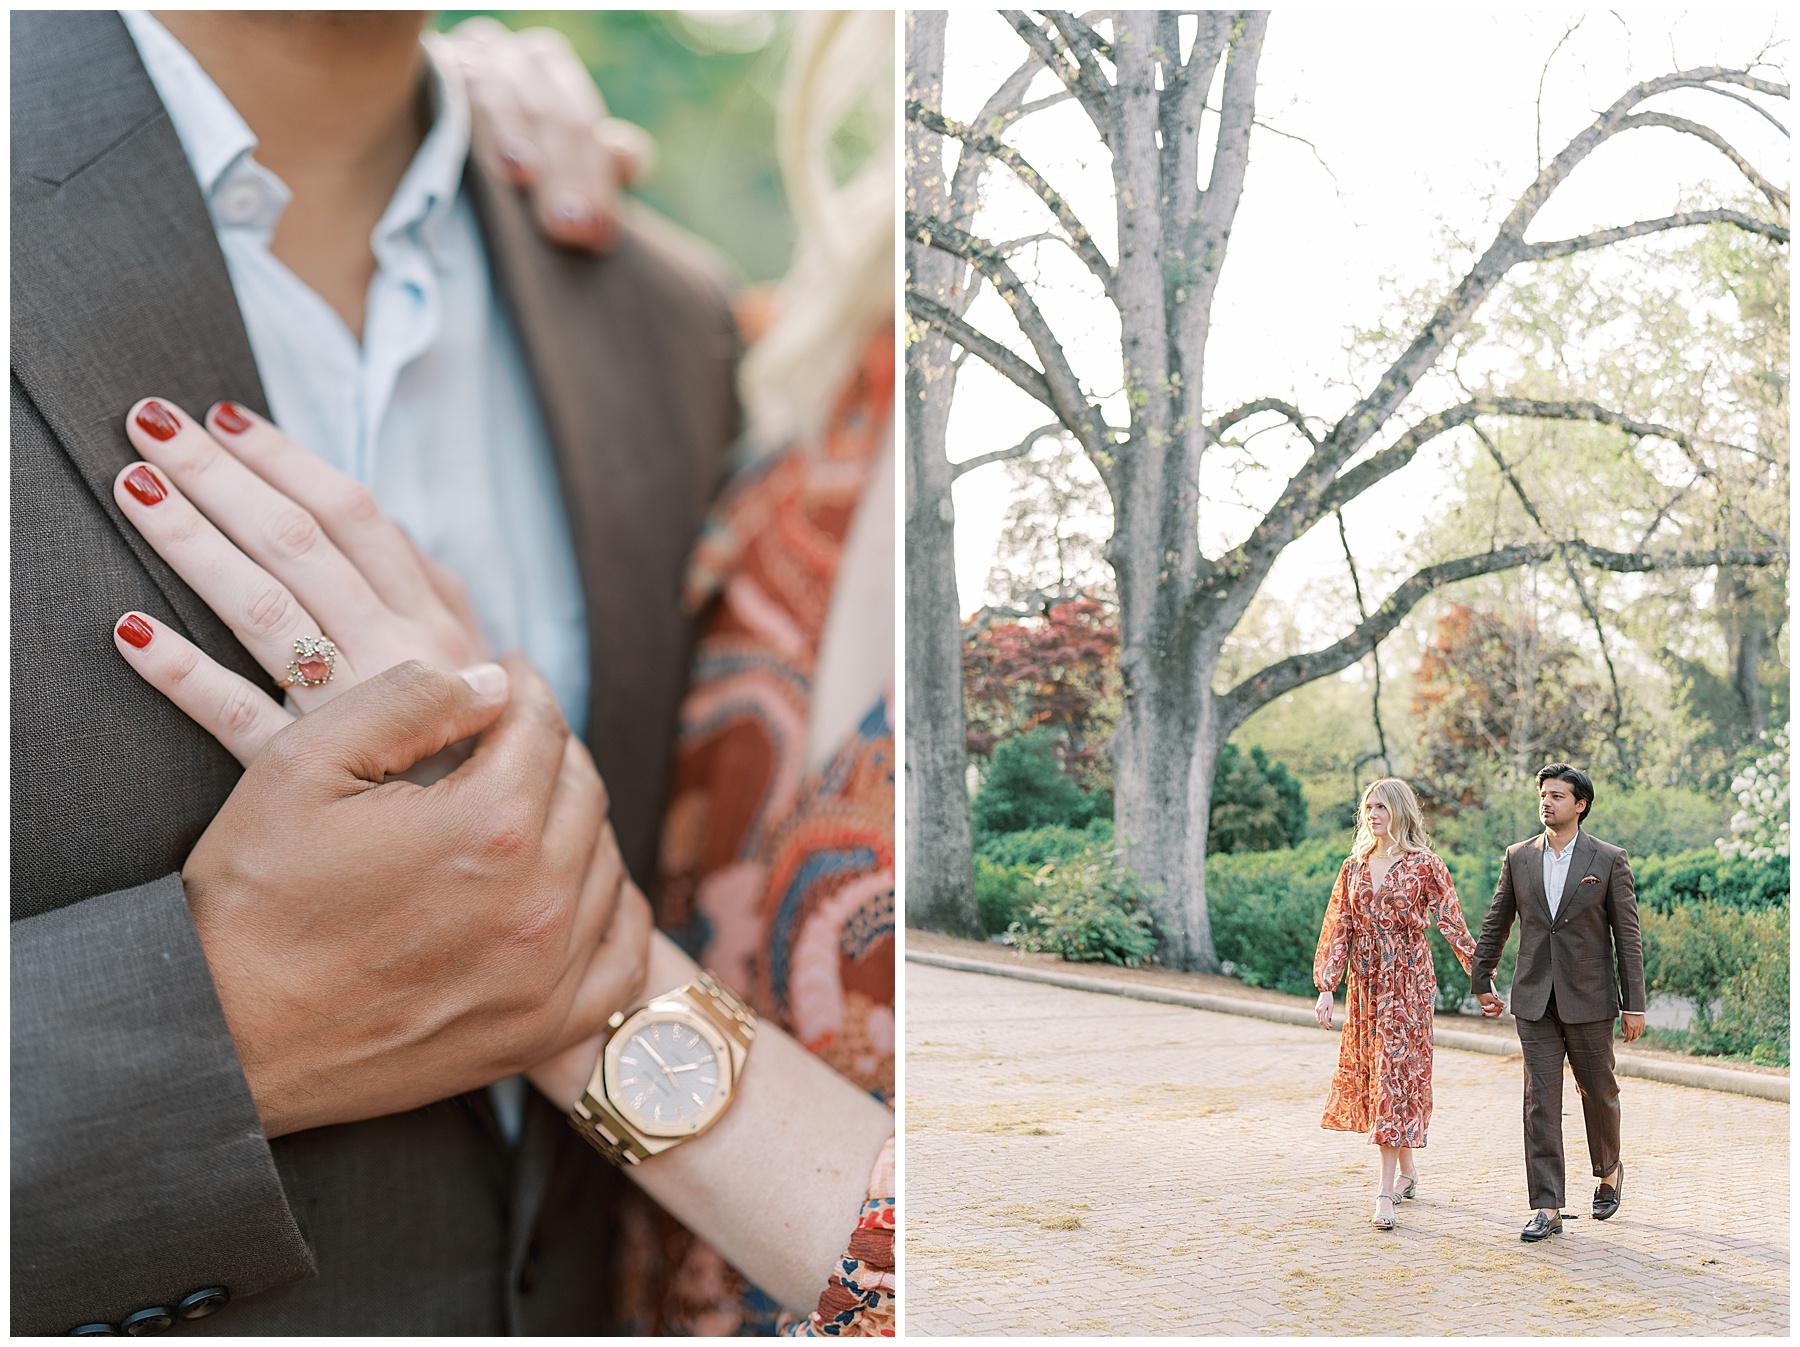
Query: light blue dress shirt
pixel 1556 871
pixel 433 410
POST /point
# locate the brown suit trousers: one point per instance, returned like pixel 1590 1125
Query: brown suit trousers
pixel 1578 967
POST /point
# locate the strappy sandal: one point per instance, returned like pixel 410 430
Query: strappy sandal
pixel 1377 1220
pixel 1412 1185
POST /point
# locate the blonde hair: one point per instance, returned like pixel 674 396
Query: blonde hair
pixel 1406 825
pixel 840 287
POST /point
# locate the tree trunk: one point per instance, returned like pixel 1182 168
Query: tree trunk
pixel 1165 751
pixel 940 873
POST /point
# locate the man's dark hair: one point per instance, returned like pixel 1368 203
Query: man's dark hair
pixel 1577 780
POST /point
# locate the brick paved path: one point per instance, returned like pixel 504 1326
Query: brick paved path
pixel 1078 1163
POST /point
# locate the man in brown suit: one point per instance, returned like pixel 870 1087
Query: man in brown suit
pixel 1578 946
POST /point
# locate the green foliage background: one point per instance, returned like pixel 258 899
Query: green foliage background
pixel 710 111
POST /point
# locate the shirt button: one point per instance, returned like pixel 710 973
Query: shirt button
pixel 240 201
pixel 145 1322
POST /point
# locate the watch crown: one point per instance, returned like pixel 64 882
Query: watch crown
pixel 614 1020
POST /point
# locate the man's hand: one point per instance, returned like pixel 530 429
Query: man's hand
pixel 1633 1026
pixel 378 945
pixel 1491 1004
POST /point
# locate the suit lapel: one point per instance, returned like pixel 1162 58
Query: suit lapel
pixel 121 291
pixel 618 375
pixel 1534 882
pixel 1579 862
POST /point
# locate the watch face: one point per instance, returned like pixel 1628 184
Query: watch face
pixel 668 1074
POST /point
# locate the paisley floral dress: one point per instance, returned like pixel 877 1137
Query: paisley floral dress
pixel 1383 1081
pixel 778 879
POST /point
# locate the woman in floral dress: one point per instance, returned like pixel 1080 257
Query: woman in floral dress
pixel 1388 889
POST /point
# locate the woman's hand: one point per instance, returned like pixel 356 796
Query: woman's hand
pixel 283 547
pixel 1322 1011
pixel 540 124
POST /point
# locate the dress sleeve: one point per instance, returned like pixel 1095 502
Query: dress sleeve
pixel 861 1297
pixel 1446 910
pixel 1334 937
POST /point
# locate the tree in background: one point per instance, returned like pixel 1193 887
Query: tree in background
pixel 1696 336
pixel 1145 86
pixel 1051 540
pixel 1256 805
pixel 1056 670
pixel 1026 787
pixel 1497 696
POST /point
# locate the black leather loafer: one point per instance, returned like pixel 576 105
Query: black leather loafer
pixel 1541 1226
pixel 1607 1195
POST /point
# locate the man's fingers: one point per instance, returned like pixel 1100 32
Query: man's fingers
pixel 385 724
pixel 615 974
pixel 232 709
pixel 518 760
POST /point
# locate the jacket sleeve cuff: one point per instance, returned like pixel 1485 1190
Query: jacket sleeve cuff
pixel 140 1171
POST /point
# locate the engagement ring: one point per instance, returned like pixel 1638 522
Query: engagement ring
pixel 313 664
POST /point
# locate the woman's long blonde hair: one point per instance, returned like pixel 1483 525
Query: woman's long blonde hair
pixel 1405 823
pixel 840 287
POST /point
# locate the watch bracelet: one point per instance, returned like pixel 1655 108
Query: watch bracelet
pixel 593 1115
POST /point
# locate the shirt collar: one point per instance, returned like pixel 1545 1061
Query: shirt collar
pixel 242 193
pixel 1550 847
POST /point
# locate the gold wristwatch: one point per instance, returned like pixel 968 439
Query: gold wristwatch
pixel 668 1071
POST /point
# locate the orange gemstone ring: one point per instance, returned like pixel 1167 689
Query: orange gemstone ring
pixel 313 664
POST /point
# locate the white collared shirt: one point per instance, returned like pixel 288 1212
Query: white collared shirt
pixel 433 410
pixel 1556 870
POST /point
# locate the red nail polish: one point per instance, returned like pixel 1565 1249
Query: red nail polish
pixel 157 420
pixel 135 630
pixel 145 486
pixel 230 417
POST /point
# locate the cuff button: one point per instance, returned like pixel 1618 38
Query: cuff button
pixel 94 1331
pixel 202 1303
pixel 157 1319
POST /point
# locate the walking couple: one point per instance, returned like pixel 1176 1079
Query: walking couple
pixel 1574 901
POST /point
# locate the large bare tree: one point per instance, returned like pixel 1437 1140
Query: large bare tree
pixel 1145 89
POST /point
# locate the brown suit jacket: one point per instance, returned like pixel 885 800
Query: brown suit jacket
pixel 139 1170
pixel 1586 953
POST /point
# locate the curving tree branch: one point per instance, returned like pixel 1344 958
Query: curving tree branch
pixel 998 357
pixel 1291 413
pixel 1282 677
pixel 1066 398
pixel 1079 239
pixel 1018 450
pixel 1097 100
pixel 1638 120
pixel 1297 507
pixel 1538 252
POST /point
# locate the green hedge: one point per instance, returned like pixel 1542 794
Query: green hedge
pixel 1734 958
pixel 1665 882
pixel 1267 908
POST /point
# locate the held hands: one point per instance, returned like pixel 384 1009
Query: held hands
pixel 376 944
pixel 1322 1011
pixel 1491 1004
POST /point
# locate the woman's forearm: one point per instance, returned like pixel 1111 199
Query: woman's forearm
pixel 777 1183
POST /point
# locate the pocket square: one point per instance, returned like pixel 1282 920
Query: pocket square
pixel 1590 879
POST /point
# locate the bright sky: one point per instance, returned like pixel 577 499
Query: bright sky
pixel 1426 120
